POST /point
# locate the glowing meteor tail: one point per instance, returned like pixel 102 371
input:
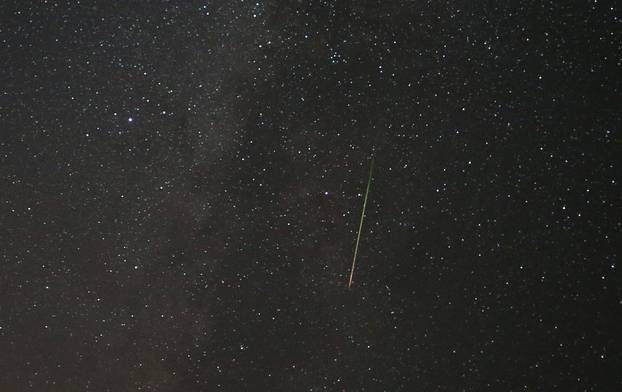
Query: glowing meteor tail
pixel 358 237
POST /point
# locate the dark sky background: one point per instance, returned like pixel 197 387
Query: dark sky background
pixel 182 183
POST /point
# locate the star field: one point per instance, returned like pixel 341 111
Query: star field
pixel 182 184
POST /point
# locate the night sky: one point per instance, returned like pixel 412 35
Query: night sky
pixel 182 185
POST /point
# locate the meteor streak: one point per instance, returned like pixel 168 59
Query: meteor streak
pixel 358 237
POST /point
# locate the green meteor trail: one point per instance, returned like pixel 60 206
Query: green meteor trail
pixel 358 237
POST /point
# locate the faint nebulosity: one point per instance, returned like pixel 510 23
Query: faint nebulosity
pixel 182 184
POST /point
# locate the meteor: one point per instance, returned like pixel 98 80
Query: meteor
pixel 358 237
